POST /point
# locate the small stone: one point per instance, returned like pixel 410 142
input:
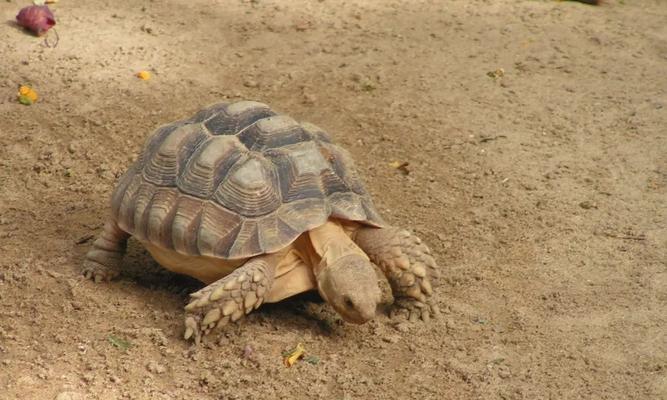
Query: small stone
pixel 450 325
pixel 309 98
pixel 251 83
pixel 391 338
pixel 587 205
pixel 156 368
pixel 88 377
pixel 402 327
pixel 504 372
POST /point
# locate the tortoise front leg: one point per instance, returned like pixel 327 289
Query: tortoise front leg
pixel 230 298
pixel 103 261
pixel 408 265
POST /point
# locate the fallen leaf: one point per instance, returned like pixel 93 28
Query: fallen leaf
pixel 119 342
pixel 144 75
pixel 25 100
pixel 401 166
pixel 27 95
pixel 291 356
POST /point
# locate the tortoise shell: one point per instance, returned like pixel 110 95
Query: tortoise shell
pixel 237 180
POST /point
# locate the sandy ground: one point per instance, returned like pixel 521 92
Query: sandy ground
pixel 541 191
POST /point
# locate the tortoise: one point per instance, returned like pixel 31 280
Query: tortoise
pixel 259 207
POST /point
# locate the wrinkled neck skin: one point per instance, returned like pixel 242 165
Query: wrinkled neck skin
pixel 331 242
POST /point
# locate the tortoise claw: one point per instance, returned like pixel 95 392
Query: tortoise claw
pixel 192 330
pixel 414 310
pixel 97 272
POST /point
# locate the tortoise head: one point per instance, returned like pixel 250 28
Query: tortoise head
pixel 350 285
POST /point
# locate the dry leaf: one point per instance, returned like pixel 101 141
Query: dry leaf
pixel 401 166
pixel 27 95
pixel 293 355
pixel 144 75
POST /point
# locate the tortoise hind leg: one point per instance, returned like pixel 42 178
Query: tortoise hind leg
pixel 103 261
pixel 230 298
pixel 408 265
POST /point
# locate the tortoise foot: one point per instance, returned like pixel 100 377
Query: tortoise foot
pixel 408 265
pixel 104 260
pixel 228 299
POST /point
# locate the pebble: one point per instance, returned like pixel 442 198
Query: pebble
pixel 155 368
pixel 250 83
pixel 504 372
pixel 587 205
pixel 402 327
pixel 391 338
pixel 309 98
pixel 450 325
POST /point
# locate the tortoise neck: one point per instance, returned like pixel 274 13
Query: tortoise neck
pixel 332 241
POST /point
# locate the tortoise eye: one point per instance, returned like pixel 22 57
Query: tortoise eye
pixel 348 302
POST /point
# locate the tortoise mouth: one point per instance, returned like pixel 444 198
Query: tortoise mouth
pixel 356 318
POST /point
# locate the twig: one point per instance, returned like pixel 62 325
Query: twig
pixel 490 138
pixel 449 146
pixel 85 238
pixel 627 237
pixel 591 2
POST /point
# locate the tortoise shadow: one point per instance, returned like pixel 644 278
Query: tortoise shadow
pixel 12 23
pixel 139 267
pixel 304 311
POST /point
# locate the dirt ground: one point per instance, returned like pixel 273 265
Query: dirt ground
pixel 535 136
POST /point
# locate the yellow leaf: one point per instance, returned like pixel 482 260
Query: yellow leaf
pixel 294 354
pixel 144 75
pixel 27 95
pixel 401 166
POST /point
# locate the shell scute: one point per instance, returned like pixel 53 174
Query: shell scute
pixel 237 180
pixel 209 165
pixel 250 188
pixel 229 120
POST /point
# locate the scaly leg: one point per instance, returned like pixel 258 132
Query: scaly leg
pixel 103 261
pixel 230 298
pixel 407 264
